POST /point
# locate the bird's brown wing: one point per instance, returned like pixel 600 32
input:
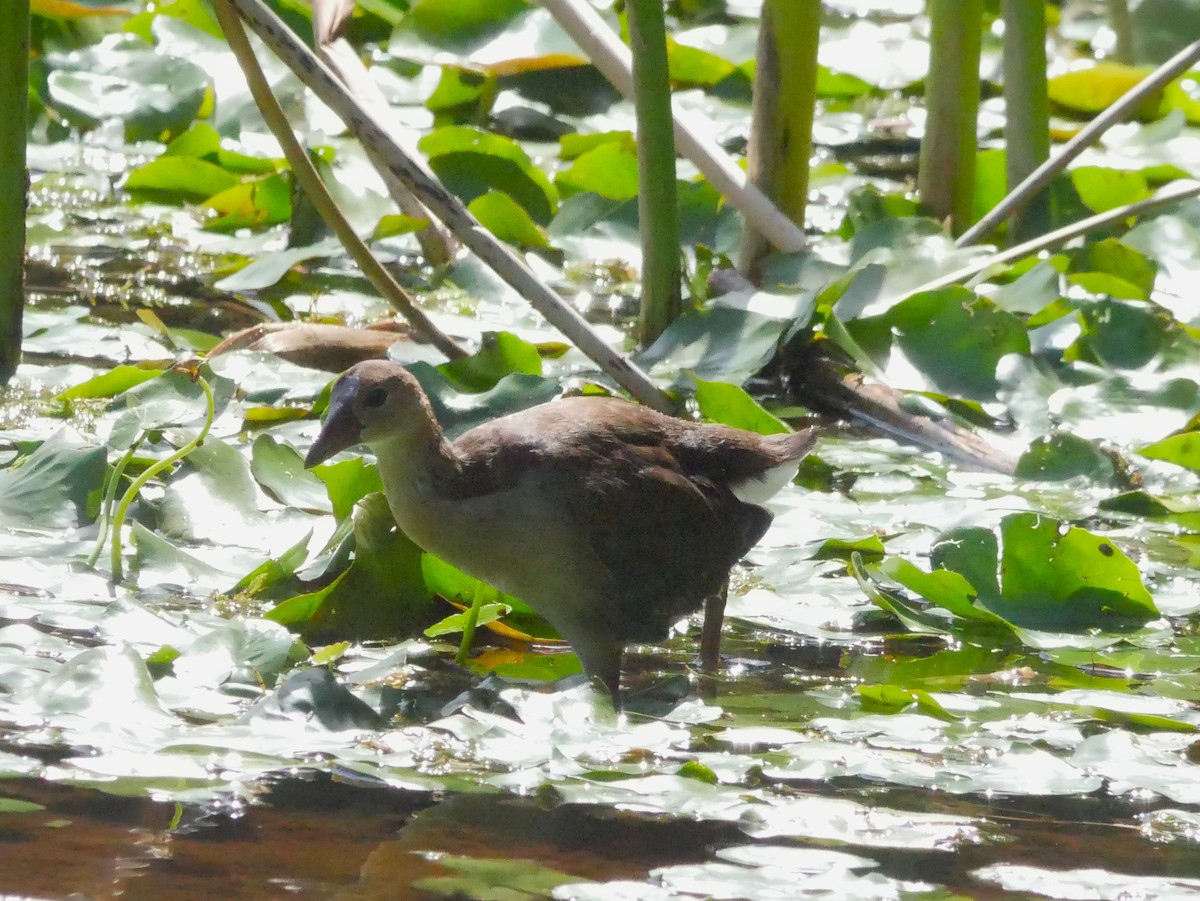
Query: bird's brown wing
pixel 667 541
pixel 666 530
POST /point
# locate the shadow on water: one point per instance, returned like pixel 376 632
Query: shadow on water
pixel 316 837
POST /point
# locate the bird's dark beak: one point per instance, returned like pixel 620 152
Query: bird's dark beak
pixel 341 428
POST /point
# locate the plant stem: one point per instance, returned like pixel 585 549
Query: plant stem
pixel 1027 109
pixel 658 203
pixel 1172 194
pixel 693 136
pixel 468 636
pixel 1122 26
pixel 151 471
pixel 110 493
pixel 785 85
pixel 946 179
pixel 14 107
pixel 490 250
pixel 1042 176
pixel 314 188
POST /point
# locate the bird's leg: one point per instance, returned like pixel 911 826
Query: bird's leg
pixel 600 655
pixel 613 683
pixel 710 632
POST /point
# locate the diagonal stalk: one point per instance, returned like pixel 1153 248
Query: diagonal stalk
pixel 318 193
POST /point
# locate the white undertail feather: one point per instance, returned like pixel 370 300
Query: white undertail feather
pixel 761 488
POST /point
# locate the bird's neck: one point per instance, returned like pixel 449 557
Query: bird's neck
pixel 417 462
pixel 420 471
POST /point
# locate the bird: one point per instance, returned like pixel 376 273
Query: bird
pixel 613 521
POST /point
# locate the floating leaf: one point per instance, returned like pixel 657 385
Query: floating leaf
pixel 348 482
pixel 1182 449
pixel 608 170
pixel 1034 574
pixel 472 162
pixel 507 220
pixel 731 405
pixel 1098 87
pixel 115 381
pixel 179 178
pixel 383 593
pixel 250 204
pixel 457 622
pixel 57 486
pixel 956 339
pixel 1103 189
pixel 153 95
pixel 280 469
pixel 457 22
pixel 893 699
pixel 1064 456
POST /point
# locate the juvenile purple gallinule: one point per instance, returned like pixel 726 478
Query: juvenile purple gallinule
pixel 611 520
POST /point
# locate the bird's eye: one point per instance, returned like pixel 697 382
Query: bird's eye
pixel 375 397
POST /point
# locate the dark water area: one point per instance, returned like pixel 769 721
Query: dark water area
pixel 312 836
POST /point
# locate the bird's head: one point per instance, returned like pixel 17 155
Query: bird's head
pixel 371 401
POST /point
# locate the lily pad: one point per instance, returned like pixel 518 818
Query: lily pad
pixel 1034 573
pixel 57 486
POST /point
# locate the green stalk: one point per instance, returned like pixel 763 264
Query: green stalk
pixel 14 109
pixel 658 205
pixel 110 494
pixel 151 471
pixel 946 180
pixel 1125 107
pixel 472 621
pixel 1122 26
pixel 785 95
pixel 318 194
pixel 1027 108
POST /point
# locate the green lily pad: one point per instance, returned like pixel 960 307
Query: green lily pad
pixel 1182 449
pixel 457 622
pixel 462 93
pixel 869 548
pixel 502 879
pixel 150 93
pixel 1094 89
pixel 1060 578
pixel 458 22
pixel 500 354
pixel 956 339
pixel 471 162
pixel 731 405
pixel 280 469
pixel 458 411
pixel 1063 456
pixel 507 220
pixel 179 179
pixel 1033 574
pixel 57 486
pixel 1103 189
pixel 348 482
pixel 250 204
pixel 383 593
pixel 172 399
pixel 273 571
pixel 115 381
pixel 894 699
pixel 720 342
pixel 608 170
pixel 16 805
